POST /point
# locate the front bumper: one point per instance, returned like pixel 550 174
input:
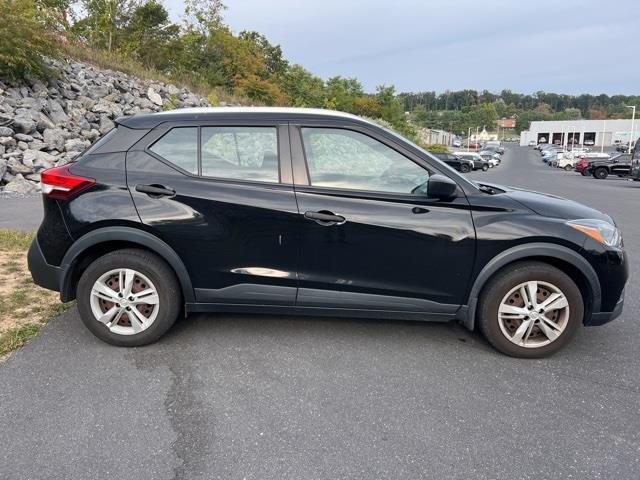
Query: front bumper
pixel 601 318
pixel 43 274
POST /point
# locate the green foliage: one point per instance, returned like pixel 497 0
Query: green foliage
pixel 16 337
pixel 27 35
pixel 436 148
pixel 213 99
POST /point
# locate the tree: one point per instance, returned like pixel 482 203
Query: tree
pixel 203 15
pixel 27 36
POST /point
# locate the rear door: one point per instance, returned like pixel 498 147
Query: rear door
pixel 368 241
pixel 221 195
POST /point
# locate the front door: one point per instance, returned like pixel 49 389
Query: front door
pixel 221 196
pixel 369 240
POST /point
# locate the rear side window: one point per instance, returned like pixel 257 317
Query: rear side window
pixel 243 153
pixel 180 147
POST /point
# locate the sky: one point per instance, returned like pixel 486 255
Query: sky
pixel 561 46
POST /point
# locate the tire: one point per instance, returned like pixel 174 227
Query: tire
pixel 600 173
pixel 464 168
pixel 568 168
pixel 502 290
pixel 584 173
pixel 485 167
pixel 150 274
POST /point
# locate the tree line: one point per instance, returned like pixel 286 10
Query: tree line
pixel 459 110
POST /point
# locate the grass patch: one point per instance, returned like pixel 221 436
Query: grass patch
pixel 24 307
pixel 14 240
pixel 16 337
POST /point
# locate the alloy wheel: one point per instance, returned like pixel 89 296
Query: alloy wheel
pixel 533 314
pixel 125 301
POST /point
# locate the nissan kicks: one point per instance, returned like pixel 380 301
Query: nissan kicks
pixel 300 211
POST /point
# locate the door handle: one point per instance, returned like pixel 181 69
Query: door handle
pixel 325 218
pixel 156 191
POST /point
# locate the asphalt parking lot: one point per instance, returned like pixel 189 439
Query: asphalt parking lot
pixel 267 397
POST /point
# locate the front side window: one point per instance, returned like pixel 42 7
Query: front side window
pixel 244 153
pixel 346 159
pixel 180 147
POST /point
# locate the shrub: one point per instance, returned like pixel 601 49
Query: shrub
pixel 436 148
pixel 26 38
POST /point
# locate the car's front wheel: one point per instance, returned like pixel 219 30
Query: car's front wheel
pixel 600 173
pixel 530 310
pixel 464 168
pixel 128 297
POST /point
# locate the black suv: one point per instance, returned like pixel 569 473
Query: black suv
pixel 619 165
pixel 313 212
pixel 460 164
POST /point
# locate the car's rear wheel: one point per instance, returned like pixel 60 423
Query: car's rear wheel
pixel 128 297
pixel 584 173
pixel 464 168
pixel 530 310
pixel 568 168
pixel 600 173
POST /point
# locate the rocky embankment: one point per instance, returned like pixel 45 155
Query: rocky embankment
pixel 44 125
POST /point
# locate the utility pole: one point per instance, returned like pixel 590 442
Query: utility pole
pixel 468 139
pixel 604 129
pixel 633 119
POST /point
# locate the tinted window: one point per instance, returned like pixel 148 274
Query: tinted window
pixel 346 159
pixel 245 153
pixel 180 147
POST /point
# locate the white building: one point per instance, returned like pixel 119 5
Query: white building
pixel 607 132
pixel 433 136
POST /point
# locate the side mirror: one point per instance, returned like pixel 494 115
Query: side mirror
pixel 441 187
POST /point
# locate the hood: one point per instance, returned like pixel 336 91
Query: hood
pixel 549 205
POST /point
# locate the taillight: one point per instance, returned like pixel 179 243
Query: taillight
pixel 59 183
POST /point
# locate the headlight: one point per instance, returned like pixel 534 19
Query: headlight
pixel 601 231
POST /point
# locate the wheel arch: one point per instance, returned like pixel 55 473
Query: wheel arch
pixel 563 258
pixel 103 240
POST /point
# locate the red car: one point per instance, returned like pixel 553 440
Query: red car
pixel 582 165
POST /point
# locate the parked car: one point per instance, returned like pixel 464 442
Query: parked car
pixel 455 161
pixel 499 149
pixel 583 164
pixel 456 144
pixel 302 211
pixel 624 147
pixel 619 165
pixel 635 165
pixel 491 157
pixel 479 163
pixel 532 143
pixel 474 146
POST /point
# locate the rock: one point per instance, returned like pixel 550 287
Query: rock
pixel 44 122
pixel 76 145
pixel 23 137
pixel 7 142
pixel 57 113
pixel 24 125
pixel 6 132
pixel 3 167
pixel 106 125
pixel 20 185
pixel 53 138
pixel 154 96
pixel 15 166
pixel 38 160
